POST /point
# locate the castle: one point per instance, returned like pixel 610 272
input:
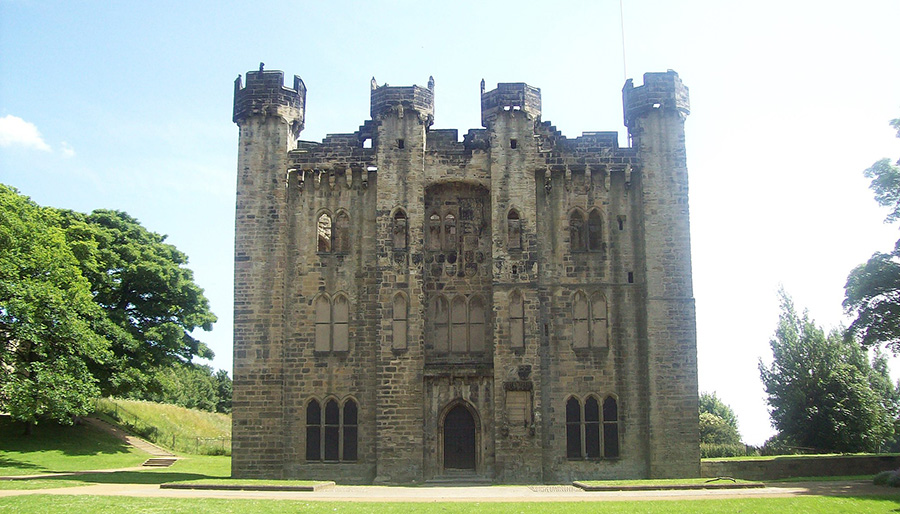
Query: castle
pixel 513 307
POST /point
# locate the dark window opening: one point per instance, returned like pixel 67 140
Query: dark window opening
pixel 313 431
pixel 401 144
pixel 513 143
pixel 610 428
pixel 621 220
pixel 584 425
pixel 573 429
pixel 334 438
pixel 631 277
pixel 595 231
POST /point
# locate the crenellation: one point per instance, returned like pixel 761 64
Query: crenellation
pixel 409 305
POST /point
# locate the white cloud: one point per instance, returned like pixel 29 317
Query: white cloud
pixel 67 150
pixel 15 131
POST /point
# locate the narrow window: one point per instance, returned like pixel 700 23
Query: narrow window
pixel 631 277
pixel 341 324
pixel 610 428
pixel 595 231
pixel 323 231
pixel 450 242
pixel 440 315
pixel 513 143
pixel 313 431
pixel 433 241
pixel 323 324
pixel 476 325
pixel 581 333
pixel 513 230
pixel 621 220
pixel 349 429
pixel 400 231
pixel 401 144
pixel 599 321
pixel 591 428
pixel 516 320
pixel 341 233
pixel 398 332
pixel 573 429
pixel 458 324
pixel 576 232
pixel 332 430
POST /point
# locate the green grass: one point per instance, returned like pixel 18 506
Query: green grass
pixel 120 504
pixel 52 448
pixel 197 467
pixel 170 426
pixel 665 482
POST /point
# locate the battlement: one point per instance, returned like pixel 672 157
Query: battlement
pixel 660 91
pixel 265 94
pixel 414 98
pixel 509 96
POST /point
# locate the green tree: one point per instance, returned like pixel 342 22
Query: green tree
pixel 50 328
pixel 145 287
pixel 872 292
pixel 193 386
pixel 712 404
pixel 819 388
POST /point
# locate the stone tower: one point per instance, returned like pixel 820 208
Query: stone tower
pixel 512 307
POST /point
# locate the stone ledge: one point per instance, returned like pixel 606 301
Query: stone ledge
pixel 321 486
pixel 669 487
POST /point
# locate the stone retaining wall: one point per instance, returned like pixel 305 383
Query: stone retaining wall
pixel 786 467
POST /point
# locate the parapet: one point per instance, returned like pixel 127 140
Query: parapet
pixel 660 91
pixel 266 95
pixel 412 98
pixel 509 96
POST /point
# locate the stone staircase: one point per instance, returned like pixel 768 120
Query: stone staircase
pixel 159 457
pixel 458 478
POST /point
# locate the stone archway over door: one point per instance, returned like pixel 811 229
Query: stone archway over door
pixel 459 439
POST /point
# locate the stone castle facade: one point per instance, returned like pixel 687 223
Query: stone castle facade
pixel 513 307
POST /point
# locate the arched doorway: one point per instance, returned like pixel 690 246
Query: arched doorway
pixel 459 439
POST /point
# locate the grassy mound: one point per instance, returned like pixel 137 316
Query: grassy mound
pixel 176 428
pixel 54 448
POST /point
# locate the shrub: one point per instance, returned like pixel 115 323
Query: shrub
pixel 713 451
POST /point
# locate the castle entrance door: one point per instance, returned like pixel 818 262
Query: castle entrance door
pixel 459 439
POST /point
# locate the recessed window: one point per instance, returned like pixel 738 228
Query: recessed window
pixel 513 143
pixel 631 277
pixel 339 430
pixel 513 230
pixel 588 434
pixel 621 220
pixel 401 144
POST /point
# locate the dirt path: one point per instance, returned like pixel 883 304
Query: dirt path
pixel 475 494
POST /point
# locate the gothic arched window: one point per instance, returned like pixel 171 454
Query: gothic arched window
pixel 610 428
pixel 595 231
pixel 516 320
pixel 399 324
pixel 513 230
pixel 450 237
pixel 313 430
pixel 573 429
pixel 580 316
pixel 400 231
pixel 476 325
pixel 323 233
pixel 577 239
pixel 341 233
pixel 439 314
pixel 433 235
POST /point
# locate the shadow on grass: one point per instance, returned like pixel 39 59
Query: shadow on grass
pixel 6 462
pixel 76 440
pixel 132 477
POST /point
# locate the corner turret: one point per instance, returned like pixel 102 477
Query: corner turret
pixel 509 96
pixel 660 91
pixel 385 99
pixel 266 95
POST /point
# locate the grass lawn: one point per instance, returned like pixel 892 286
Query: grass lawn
pixel 120 504
pixel 54 448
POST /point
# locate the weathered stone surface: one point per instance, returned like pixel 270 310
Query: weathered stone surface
pixel 532 271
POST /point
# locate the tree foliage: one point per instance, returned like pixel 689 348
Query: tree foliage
pixel 90 304
pixel 820 388
pixel 146 289
pixel 872 292
pixel 50 328
pixel 718 423
pixel 195 387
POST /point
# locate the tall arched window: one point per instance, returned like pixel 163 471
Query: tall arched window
pixel 332 430
pixel 516 320
pixel 610 428
pixel 595 231
pixel 342 233
pixel 433 236
pixel 573 429
pixel 577 239
pixel 341 324
pixel 439 314
pixel 400 230
pixel 399 327
pixel 458 324
pixel 323 323
pixel 313 431
pixel 476 324
pixel 332 323
pixel 450 237
pixel 323 233
pixel 599 321
pixel 592 433
pixel 513 230
pixel 580 315
pixel 349 430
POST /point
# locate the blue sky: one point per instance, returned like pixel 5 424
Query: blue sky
pixel 127 105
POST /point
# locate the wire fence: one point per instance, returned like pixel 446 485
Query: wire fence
pixel 176 442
